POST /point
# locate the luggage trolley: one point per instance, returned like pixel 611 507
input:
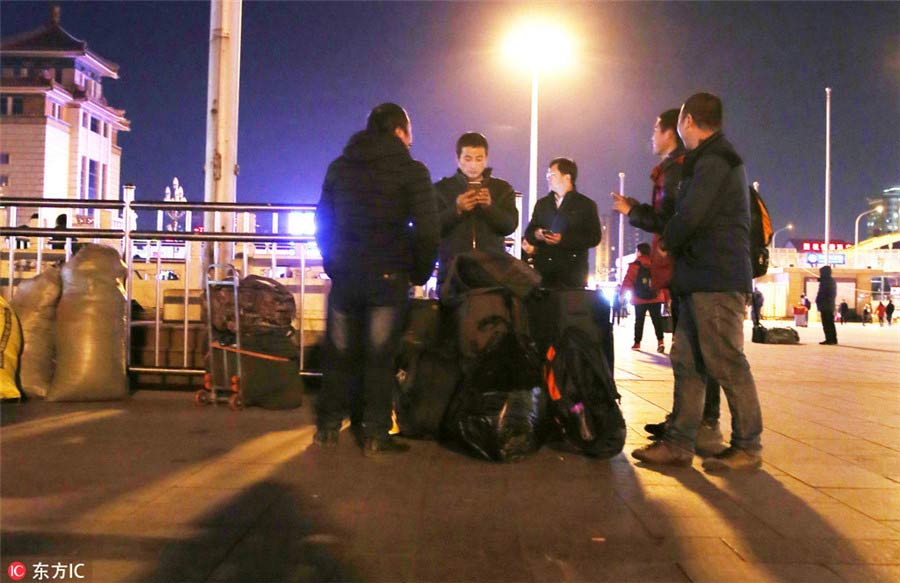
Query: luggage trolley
pixel 222 383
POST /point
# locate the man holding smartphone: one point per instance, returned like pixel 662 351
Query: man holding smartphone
pixel 477 210
pixel 564 226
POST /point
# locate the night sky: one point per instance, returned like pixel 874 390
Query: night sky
pixel 312 70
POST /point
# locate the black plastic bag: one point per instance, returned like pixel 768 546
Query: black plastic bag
pixel 499 410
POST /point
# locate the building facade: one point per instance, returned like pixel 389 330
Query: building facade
pixel 58 135
pixel 887 221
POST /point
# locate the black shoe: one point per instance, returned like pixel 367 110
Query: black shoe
pixel 656 429
pixel 829 342
pixel 326 438
pixel 376 446
pixel 358 434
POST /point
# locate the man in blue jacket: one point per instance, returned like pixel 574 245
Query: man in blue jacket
pixel 377 228
pixel 563 228
pixel 709 237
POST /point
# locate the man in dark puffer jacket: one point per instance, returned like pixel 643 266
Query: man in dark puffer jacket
pixel 709 236
pixel 477 209
pixel 377 228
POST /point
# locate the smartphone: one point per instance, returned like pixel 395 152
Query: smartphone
pixel 474 185
pixel 549 232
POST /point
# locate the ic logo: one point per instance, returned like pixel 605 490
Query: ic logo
pixel 16 571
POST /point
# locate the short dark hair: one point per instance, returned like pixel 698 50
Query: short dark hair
pixel 643 248
pixel 387 117
pixel 706 109
pixel 471 140
pixel 668 120
pixel 566 166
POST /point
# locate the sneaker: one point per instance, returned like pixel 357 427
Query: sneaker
pixel 326 438
pixel 656 429
pixel 637 346
pixel 376 446
pixel 733 459
pixel 709 438
pixel 663 452
pixel 661 347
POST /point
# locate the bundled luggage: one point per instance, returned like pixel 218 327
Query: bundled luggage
pixel 428 372
pixel 10 351
pixel 35 303
pixel 763 335
pixel 470 370
pixel 782 336
pixel 90 316
pixel 583 396
pixel 268 351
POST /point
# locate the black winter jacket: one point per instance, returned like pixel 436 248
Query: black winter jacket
pixel 827 294
pixel 487 226
pixel 378 212
pixel 566 264
pixel 709 234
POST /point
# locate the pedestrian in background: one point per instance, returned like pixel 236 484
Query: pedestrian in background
pixel 867 314
pixel 825 304
pixel 880 311
pixel 756 303
pixel 889 311
pixel 844 310
pixel 645 298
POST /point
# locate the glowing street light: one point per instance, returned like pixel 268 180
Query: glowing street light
pixel 787 227
pixel 537 45
pixel 878 209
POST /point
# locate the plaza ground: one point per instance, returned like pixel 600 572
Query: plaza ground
pixel 156 489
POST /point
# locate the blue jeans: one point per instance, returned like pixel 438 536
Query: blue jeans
pixel 365 323
pixel 709 341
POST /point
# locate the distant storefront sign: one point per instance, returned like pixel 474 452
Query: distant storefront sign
pixel 819 246
pixel 833 258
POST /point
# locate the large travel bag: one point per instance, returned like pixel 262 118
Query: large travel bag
pixel 550 312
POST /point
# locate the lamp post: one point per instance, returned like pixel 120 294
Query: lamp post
pixel 877 209
pixel 537 45
pixel 787 227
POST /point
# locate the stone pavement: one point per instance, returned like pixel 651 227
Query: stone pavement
pixel 155 489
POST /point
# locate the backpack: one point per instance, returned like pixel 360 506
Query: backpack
pixel 583 395
pixel 760 234
pixel 642 287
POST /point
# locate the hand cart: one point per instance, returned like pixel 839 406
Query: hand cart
pixel 222 381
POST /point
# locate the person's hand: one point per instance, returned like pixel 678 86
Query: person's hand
pixel 527 247
pixel 553 239
pixel 466 201
pixel 620 203
pixel 483 197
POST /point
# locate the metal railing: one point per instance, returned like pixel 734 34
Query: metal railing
pixel 129 236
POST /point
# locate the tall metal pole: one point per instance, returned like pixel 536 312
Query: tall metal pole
pixel 827 173
pixel 223 90
pixel 533 154
pixel 620 269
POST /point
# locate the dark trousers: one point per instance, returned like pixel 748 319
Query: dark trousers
pixel 365 323
pixel 640 313
pixel 828 325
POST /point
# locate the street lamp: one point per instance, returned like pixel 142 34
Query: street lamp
pixel 788 227
pixel 537 45
pixel 877 209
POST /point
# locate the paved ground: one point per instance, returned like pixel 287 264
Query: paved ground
pixel 154 489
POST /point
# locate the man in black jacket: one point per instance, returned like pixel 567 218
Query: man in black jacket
pixel 377 228
pixel 563 227
pixel 477 210
pixel 825 304
pixel 709 237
